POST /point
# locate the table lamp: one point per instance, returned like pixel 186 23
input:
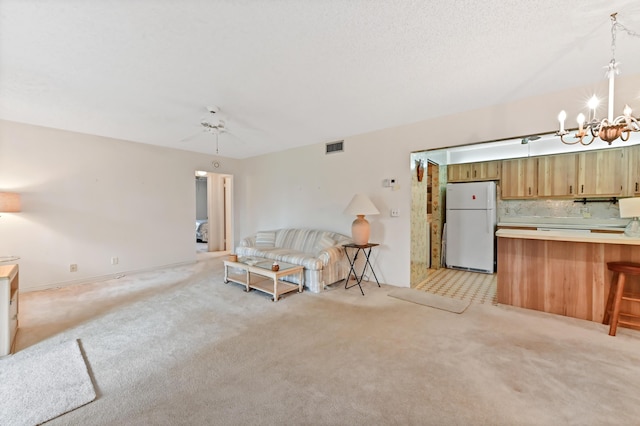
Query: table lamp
pixel 360 206
pixel 630 207
pixel 9 202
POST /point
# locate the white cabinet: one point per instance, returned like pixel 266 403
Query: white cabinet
pixel 8 307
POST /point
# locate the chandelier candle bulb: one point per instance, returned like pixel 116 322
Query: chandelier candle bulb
pixel 561 117
pixel 593 105
pixel 627 114
pixel 580 123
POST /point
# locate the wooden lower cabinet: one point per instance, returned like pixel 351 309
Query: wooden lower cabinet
pixel 561 277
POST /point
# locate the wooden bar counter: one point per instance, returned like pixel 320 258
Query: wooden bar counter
pixel 562 273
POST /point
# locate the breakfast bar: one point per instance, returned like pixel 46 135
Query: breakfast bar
pixel 563 273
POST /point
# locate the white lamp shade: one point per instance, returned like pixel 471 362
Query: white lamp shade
pixel 361 205
pixel 9 202
pixel 630 207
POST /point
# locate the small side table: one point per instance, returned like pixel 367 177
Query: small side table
pixel 366 250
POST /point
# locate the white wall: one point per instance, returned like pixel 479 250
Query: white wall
pixel 86 199
pixel 305 188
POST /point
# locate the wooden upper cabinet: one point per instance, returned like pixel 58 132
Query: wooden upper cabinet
pixel 633 186
pixel 487 170
pixel 473 172
pixel 519 178
pixel 557 175
pixel 459 172
pixel 601 173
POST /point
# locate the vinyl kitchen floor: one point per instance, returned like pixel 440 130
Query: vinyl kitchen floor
pixel 463 285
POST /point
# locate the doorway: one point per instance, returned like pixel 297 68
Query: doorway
pixel 214 213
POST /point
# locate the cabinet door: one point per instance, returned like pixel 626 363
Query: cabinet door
pixel 557 175
pixel 459 172
pixel 601 173
pixel 519 178
pixel 486 170
pixel 633 153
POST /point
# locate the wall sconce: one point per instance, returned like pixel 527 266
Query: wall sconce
pixel 419 169
pixel 9 202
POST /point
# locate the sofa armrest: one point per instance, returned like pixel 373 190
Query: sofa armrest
pixel 248 242
pixel 331 254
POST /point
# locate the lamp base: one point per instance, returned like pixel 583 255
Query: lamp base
pixel 633 228
pixel 360 231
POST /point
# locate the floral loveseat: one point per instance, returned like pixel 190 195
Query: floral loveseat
pixel 320 252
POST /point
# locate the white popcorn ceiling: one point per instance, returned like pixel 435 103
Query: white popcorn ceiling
pixel 287 73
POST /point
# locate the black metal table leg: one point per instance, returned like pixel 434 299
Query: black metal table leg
pixel 352 263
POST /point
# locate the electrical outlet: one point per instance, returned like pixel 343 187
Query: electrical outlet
pixel 114 260
pixel 395 212
pixel 73 267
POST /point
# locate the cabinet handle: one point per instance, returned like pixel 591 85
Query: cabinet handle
pixel 636 186
pixel 529 190
pixel 570 189
pixel 582 189
pixel 475 172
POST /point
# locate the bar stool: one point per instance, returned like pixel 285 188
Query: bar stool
pixel 616 296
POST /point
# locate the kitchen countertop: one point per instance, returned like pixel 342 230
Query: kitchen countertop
pixel 564 223
pixel 559 235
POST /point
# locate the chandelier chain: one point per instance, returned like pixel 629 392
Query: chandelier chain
pixel 615 25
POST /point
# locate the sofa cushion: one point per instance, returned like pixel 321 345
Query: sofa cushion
pixel 266 239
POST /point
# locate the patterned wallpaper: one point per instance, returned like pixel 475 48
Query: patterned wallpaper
pixel 419 225
pixel 425 235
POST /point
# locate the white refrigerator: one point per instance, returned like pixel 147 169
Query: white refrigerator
pixel 471 225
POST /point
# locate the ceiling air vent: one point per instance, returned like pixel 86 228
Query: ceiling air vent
pixel 334 147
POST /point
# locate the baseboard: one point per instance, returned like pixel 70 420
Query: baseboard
pixel 100 278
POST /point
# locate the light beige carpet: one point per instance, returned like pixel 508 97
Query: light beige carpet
pixel 179 347
pixel 432 300
pixel 43 382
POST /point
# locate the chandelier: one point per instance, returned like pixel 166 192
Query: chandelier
pixel 608 129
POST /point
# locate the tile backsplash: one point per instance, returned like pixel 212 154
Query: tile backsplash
pixel 557 209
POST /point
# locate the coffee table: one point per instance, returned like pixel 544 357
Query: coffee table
pixel 256 274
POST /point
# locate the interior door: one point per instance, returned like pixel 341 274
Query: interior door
pixel 220 191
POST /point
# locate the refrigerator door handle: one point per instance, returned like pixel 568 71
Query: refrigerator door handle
pixel 489 197
pixel 488 221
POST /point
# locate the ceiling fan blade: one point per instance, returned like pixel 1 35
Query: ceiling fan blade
pixel 193 136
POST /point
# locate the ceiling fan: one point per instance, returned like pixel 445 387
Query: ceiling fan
pixel 213 124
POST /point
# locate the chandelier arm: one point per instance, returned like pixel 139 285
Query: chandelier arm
pixel 625 132
pixel 590 140
pixel 578 139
